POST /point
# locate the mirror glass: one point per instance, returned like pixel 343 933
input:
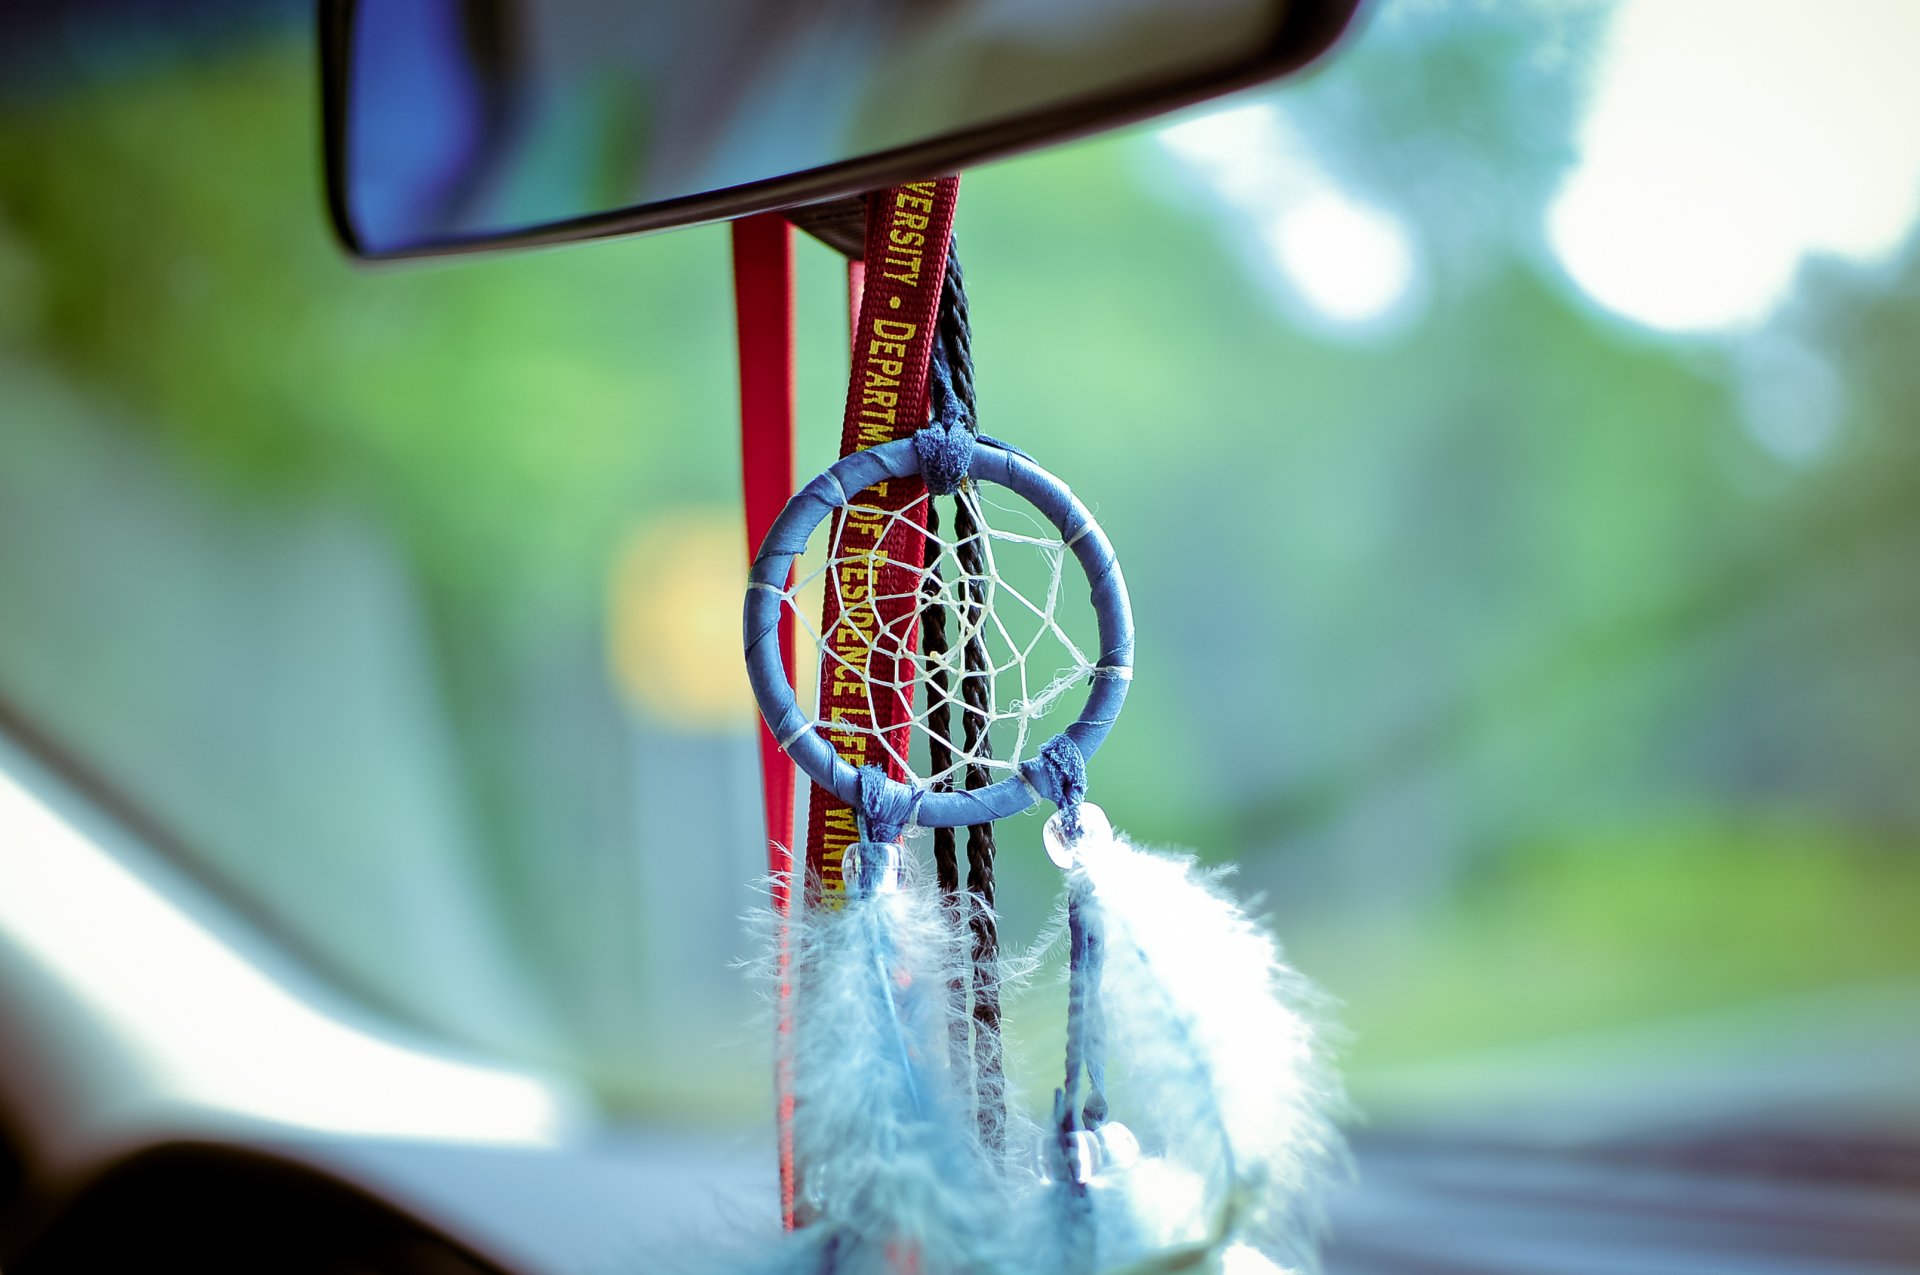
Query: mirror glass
pixel 476 118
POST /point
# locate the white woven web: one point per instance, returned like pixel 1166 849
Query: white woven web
pixel 1029 661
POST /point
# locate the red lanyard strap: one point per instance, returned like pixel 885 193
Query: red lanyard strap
pixel 876 546
pixel 763 315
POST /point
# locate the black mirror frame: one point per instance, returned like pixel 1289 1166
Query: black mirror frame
pixel 1308 30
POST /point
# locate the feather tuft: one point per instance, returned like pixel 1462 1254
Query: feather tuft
pixel 1214 1058
pixel 885 1142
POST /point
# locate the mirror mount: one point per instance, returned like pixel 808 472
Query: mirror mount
pixel 841 224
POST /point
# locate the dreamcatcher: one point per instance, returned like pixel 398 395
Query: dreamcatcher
pixel 970 605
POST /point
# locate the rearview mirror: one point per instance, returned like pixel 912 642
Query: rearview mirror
pixel 453 125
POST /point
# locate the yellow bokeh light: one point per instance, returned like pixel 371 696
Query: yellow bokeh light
pixel 673 619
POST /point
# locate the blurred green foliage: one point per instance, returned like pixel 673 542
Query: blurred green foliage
pixel 1623 926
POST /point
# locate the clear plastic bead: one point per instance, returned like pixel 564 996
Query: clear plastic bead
pixel 1094 828
pixel 886 865
pixel 1086 1154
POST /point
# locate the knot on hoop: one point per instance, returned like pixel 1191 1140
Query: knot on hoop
pixel 1059 773
pixel 946 454
pixel 886 807
pixel 945 446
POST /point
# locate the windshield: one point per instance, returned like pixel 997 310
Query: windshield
pixel 1507 432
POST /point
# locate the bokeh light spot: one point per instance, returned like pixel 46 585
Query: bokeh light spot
pixel 1730 139
pixel 674 619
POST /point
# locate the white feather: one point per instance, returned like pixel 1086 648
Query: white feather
pixel 885 1141
pixel 1214 1061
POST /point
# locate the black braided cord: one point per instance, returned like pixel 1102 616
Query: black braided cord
pixel 946 865
pixel 954 391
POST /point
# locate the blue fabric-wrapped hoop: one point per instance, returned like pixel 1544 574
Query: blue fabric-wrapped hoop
pixel 834 489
